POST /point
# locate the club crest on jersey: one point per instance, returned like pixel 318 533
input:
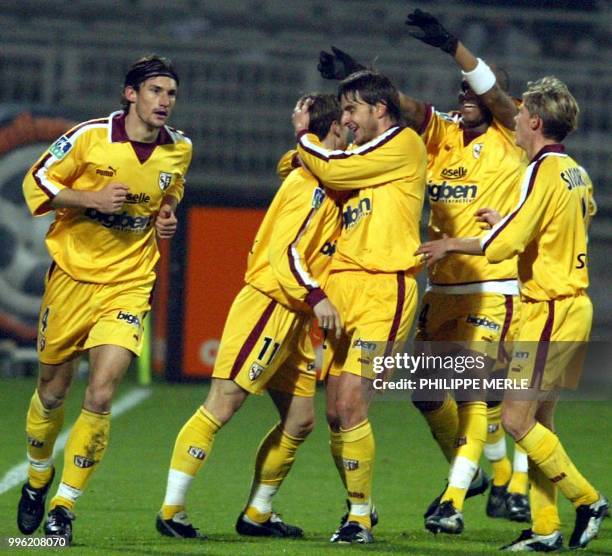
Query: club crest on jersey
pixel 477 149
pixel 165 179
pixel 60 148
pixel 318 196
pixel 255 370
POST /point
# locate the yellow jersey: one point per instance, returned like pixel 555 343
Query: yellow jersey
pixel 466 172
pixel 548 228
pixel 293 247
pixel 91 246
pixel 380 221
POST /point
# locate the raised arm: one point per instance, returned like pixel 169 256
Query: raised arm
pixel 481 78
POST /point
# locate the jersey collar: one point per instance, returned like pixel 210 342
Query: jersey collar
pixel 553 148
pixel 119 134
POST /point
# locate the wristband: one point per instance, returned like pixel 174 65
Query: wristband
pixel 481 78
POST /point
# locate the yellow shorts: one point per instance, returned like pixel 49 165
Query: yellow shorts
pixel 377 310
pixel 76 316
pixel 551 343
pixel 481 322
pixel 262 339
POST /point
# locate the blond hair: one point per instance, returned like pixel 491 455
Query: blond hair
pixel 550 99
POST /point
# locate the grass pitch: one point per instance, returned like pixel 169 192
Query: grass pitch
pixel 117 512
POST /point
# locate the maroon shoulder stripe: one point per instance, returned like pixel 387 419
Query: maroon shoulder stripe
pixel 348 154
pixel 502 354
pixel 38 181
pixel 399 309
pixel 532 179
pixel 542 351
pixel 251 340
pixel 84 124
pixel 292 267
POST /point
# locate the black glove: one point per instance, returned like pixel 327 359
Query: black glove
pixel 337 65
pixel 430 31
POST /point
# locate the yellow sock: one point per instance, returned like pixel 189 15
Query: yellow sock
pixel 85 448
pixel 519 483
pixel 495 447
pixel 444 423
pixel 358 452
pixel 42 427
pixel 275 457
pixel 193 445
pixel 471 437
pixel 543 501
pixel 335 445
pixel 545 450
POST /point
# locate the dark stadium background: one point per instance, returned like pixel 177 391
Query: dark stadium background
pixel 242 64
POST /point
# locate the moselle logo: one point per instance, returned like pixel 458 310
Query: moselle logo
pixel 137 198
pixel 454 173
pixel 460 441
pixel 255 370
pixel 318 196
pixel 573 178
pixel 368 346
pixel 35 443
pixel 108 172
pixel 492 428
pixel 60 148
pixel 83 462
pixel 165 179
pixel 446 193
pixel 353 214
pixel 482 321
pixel 350 464
pixel 129 318
pixel 123 222
pixel 196 452
pixel 328 249
pixel 477 150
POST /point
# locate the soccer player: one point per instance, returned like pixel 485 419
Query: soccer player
pixel 114 184
pixel 548 232
pixel 472 161
pixel 265 342
pixel 372 273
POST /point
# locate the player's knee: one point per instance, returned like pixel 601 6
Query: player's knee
pixel 332 419
pixel 515 423
pixel 53 393
pixel 301 427
pixel 99 398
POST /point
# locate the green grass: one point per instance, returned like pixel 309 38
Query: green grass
pixel 116 514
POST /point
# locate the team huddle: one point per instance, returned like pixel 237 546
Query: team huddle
pixel 507 276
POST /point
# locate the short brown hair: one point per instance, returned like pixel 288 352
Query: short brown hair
pixel 324 110
pixel 550 99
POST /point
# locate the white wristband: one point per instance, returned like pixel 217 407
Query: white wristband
pixel 481 78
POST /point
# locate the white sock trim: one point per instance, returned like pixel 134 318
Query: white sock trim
pixel 261 497
pixel 68 492
pixel 361 510
pixel 497 451
pixel 40 464
pixel 177 487
pixel 462 472
pixel 520 463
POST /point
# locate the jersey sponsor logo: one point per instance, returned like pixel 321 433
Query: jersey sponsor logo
pixel 137 199
pixel 196 452
pixel 129 318
pixel 165 179
pixel 454 173
pixel 446 193
pixel 83 462
pixel 573 178
pixel 482 321
pixel 353 214
pixel 60 148
pixel 108 173
pixel 123 222
pixel 368 346
pixel 477 149
pixel 318 196
pixel 255 370
pixel 350 464
pixel 328 249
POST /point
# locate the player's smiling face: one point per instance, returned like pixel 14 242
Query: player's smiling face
pixel 360 118
pixel 154 100
pixel 473 111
